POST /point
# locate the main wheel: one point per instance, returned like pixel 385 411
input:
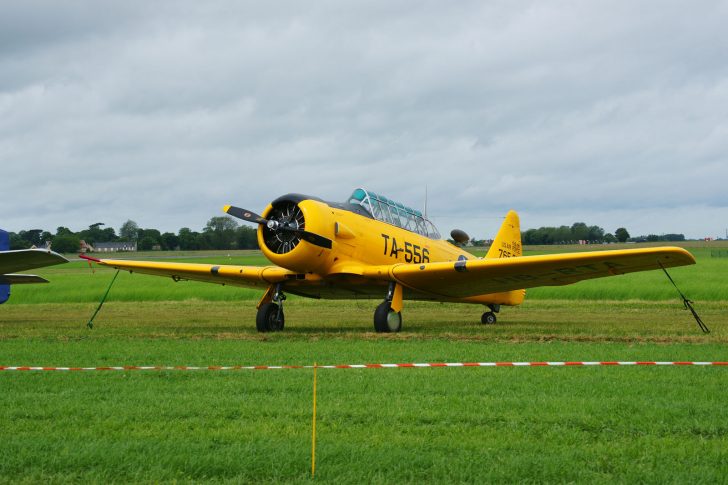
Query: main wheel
pixel 385 320
pixel 269 319
pixel 488 318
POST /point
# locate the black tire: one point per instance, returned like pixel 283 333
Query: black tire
pixel 488 318
pixel 385 320
pixel 268 318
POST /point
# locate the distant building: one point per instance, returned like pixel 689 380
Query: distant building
pixel 114 247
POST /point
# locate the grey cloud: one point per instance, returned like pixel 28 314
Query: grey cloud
pixel 163 112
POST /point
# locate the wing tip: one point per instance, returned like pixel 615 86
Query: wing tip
pixel 687 255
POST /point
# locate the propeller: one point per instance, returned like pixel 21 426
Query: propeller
pixel 283 224
pixel 244 215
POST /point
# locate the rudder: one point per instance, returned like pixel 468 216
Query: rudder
pixel 507 243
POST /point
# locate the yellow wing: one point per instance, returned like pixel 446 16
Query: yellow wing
pixel 473 277
pixel 430 281
pixel 246 276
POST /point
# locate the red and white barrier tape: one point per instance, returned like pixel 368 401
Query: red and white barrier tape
pixel 357 366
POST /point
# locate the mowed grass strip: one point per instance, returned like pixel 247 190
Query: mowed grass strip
pixel 537 320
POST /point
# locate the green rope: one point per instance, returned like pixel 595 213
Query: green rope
pixel 90 323
pixel 688 303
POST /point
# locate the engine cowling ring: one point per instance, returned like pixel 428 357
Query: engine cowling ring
pixel 302 257
pixel 284 214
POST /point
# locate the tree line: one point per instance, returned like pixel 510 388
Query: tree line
pixel 579 232
pixel 225 233
pixel 573 234
pixel 219 233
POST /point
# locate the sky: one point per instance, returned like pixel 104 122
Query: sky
pixel 613 113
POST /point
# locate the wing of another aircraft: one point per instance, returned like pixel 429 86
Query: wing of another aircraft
pixel 482 276
pixel 12 261
pixel 20 260
pixel 20 279
pixel 223 274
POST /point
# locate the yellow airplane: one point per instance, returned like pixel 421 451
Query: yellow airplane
pixel 373 247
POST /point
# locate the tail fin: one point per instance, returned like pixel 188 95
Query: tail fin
pixel 4 246
pixel 507 243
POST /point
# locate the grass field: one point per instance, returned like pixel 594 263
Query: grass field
pixel 650 425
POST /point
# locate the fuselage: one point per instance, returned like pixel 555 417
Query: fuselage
pixel 360 241
pixel 357 239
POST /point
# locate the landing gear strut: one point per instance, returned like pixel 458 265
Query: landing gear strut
pixel 270 314
pixel 489 318
pixel 386 318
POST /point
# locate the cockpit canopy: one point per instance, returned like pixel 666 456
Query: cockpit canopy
pixel 391 212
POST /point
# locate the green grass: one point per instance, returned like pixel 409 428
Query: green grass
pixel 652 425
pixel 545 425
pixel 537 320
pixel 393 426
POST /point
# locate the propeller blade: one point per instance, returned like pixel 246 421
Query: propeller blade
pixel 245 215
pixel 311 237
pixel 314 238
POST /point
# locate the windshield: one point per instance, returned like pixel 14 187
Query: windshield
pixel 391 212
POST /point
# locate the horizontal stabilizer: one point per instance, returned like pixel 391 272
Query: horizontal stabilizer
pixel 21 279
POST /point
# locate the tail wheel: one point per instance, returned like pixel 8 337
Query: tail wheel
pixel 386 320
pixel 270 318
pixel 488 318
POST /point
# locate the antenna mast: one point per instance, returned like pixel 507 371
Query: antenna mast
pixel 425 211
